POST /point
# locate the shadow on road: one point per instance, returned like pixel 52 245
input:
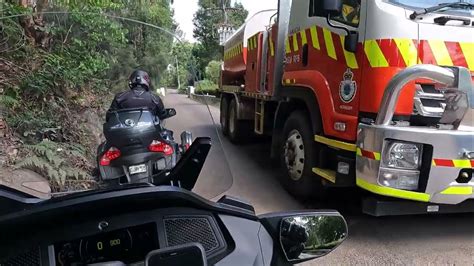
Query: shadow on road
pixel 422 239
pixel 414 232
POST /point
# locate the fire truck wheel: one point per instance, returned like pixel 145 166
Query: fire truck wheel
pixel 225 116
pixel 239 130
pixel 298 156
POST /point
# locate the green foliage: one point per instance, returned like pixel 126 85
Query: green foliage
pixel 205 87
pixel 238 17
pixel 88 3
pixel 50 159
pixel 183 90
pixel 182 52
pixel 207 20
pixel 60 65
pixel 324 232
pixel 8 101
pixel 213 71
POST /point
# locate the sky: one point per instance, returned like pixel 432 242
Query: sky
pixel 184 11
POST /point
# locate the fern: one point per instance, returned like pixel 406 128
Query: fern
pixel 51 159
pixel 41 166
pixel 76 173
pixel 78 154
pixel 32 162
pixel 47 149
pixel 8 101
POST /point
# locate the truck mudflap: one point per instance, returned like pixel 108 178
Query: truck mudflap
pixel 425 164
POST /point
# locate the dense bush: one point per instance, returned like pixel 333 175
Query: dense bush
pixel 55 67
pixel 213 71
pixel 205 87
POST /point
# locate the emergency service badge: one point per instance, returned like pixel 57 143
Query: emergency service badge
pixel 348 87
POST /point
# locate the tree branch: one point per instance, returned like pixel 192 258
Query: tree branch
pixel 67 34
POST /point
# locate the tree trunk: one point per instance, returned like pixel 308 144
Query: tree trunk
pixel 34 25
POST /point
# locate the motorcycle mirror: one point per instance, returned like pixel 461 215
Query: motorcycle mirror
pixel 169 112
pixel 311 236
pixel 187 170
pixel 186 140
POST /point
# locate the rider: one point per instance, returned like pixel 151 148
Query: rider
pixel 293 239
pixel 139 95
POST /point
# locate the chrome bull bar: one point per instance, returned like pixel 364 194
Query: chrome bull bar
pixel 450 150
pixel 457 79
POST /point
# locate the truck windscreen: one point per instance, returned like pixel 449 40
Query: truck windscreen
pixel 427 3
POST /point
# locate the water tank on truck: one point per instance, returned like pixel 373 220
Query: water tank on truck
pixel 235 49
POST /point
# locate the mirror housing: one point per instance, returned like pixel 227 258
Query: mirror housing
pixel 186 140
pixel 169 112
pixel 306 235
pixel 351 41
pixel 332 7
pixel 189 167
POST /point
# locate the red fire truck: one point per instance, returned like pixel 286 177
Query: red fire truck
pixel 370 93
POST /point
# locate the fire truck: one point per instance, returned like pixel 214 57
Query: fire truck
pixel 375 94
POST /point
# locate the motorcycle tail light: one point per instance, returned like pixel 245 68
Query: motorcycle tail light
pixel 159 146
pixel 110 155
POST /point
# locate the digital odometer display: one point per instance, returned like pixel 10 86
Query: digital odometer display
pixel 127 245
pixel 106 245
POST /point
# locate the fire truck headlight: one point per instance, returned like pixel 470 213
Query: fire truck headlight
pixel 399 179
pixel 402 155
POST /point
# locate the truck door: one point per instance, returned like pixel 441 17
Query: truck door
pixel 345 79
pixel 326 52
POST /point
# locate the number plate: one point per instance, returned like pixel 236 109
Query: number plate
pixel 137 169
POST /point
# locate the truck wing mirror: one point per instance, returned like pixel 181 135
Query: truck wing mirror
pixel 332 7
pixel 351 41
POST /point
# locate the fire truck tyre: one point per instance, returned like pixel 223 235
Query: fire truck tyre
pixel 225 116
pixel 239 130
pixel 297 158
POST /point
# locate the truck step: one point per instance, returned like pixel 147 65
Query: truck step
pixel 259 116
pixel 326 174
pixel 390 207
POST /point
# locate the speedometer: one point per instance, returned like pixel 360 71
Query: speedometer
pixel 128 245
pixel 106 246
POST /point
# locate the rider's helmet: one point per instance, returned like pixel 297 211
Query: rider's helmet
pixel 139 78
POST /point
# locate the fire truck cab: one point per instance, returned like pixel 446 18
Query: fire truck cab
pixel 370 93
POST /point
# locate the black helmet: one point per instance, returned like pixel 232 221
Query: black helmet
pixel 140 78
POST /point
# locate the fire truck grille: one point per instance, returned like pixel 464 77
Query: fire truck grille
pixel 429 102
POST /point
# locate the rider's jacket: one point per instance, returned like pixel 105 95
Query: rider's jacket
pixel 138 98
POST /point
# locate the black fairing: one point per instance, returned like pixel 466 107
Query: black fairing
pixel 131 127
pixel 132 131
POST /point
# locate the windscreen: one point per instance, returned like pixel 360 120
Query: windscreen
pixel 427 3
pixel 71 71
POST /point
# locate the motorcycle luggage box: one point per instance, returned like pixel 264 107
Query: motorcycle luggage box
pixel 131 127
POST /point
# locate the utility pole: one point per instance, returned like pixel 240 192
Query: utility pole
pixel 225 29
pixel 177 71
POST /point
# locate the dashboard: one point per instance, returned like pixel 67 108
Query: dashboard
pixel 126 226
pixel 128 245
pixel 129 238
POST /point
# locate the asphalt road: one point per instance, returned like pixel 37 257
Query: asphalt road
pixel 412 240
